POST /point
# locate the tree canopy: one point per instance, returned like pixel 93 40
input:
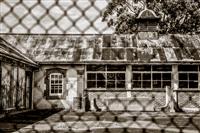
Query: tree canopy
pixel 177 16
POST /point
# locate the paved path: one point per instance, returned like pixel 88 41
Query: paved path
pixel 16 121
pixel 115 122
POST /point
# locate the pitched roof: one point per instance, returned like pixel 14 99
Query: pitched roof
pixel 9 51
pixel 147 14
pixel 107 48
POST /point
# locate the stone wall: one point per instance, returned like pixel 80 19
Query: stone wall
pixel 41 101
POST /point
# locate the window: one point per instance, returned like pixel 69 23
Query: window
pixel 106 76
pixel 56 84
pixel 188 76
pixel 147 76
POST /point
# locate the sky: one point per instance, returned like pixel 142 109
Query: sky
pixel 53 16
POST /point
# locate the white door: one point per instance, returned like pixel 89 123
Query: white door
pixel 71 86
pixel 72 90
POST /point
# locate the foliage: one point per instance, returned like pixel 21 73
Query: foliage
pixel 177 16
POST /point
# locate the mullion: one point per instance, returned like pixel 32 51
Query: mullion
pixel 106 72
pixel 195 80
pixel 189 81
pixel 157 80
pixel 146 80
pixel 56 86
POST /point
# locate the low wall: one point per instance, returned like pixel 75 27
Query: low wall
pixel 189 98
pixel 138 100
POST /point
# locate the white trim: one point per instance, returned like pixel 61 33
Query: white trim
pixel 50 79
pixel 106 80
pixel 151 72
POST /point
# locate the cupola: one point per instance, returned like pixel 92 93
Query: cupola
pixel 147 22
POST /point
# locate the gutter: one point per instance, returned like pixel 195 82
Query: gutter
pixel 18 59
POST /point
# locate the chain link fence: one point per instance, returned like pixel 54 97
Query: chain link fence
pixel 91 110
pixel 53 17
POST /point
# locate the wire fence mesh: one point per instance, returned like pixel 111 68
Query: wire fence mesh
pixel 51 17
pixel 118 108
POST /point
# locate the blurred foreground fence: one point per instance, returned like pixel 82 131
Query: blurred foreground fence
pixel 53 16
pixel 107 110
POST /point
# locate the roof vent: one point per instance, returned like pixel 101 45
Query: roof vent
pixel 147 22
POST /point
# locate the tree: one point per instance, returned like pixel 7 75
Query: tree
pixel 177 16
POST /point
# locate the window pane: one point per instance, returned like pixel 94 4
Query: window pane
pixel 141 68
pixel 156 84
pixel 156 76
pixel 96 68
pixel 193 84
pixel 166 83
pixel 116 67
pixel 91 84
pixel 120 76
pixel 136 84
pixel 56 90
pixel 56 80
pixel 146 76
pixel 101 84
pixel 120 84
pixel 183 76
pixel 111 84
pixel 162 68
pixel 91 76
pixel 146 84
pixel 183 84
pixel 193 76
pixel 100 76
pixel 60 90
pixel 137 76
pixel 187 68
pixel 110 76
pixel 166 76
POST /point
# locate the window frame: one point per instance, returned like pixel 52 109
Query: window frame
pixel 47 81
pixel 188 72
pixel 106 80
pixel 50 84
pixel 151 71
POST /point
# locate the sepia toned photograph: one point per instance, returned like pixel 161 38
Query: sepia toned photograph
pixel 99 66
